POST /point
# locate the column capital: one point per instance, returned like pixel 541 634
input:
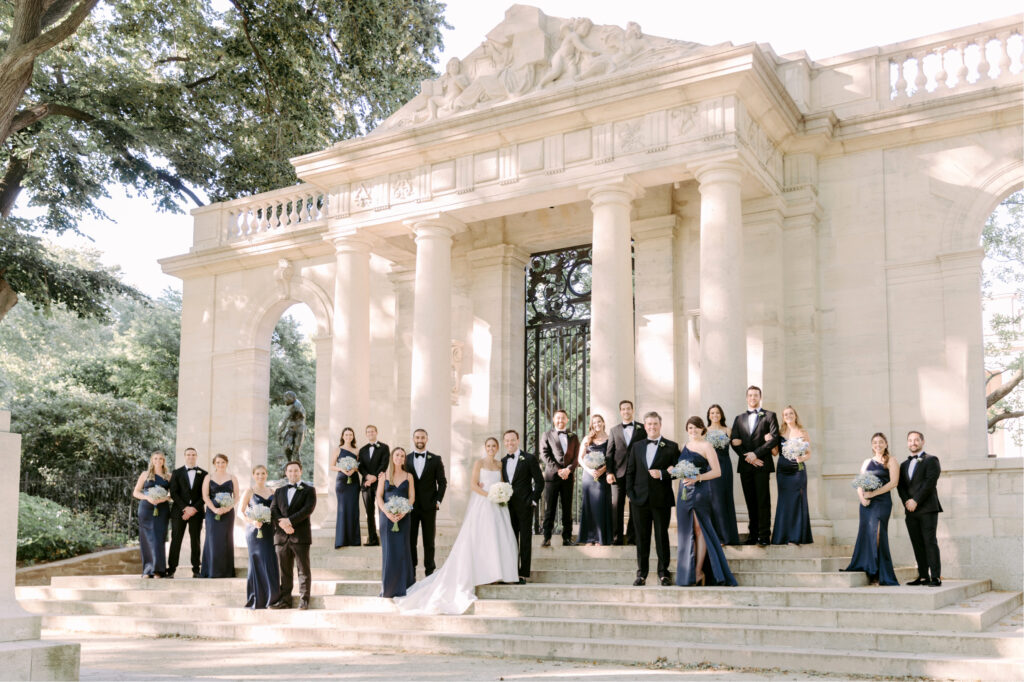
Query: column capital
pixel 351 242
pixel 615 189
pixel 719 170
pixel 434 225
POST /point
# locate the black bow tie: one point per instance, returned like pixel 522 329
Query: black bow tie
pixel 751 411
pixel 192 469
pixel 419 454
pixel 913 456
pixel 653 441
pixel 293 485
pixel 627 425
pixel 561 433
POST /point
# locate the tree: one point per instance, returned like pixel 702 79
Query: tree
pixel 1003 240
pixel 179 99
pixel 292 368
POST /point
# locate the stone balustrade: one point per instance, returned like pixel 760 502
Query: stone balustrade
pixel 281 210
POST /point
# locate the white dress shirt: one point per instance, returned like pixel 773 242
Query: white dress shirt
pixel 510 465
pixel 418 463
pixel 652 450
pixel 191 477
pixel 751 421
pixel 627 432
pixel 563 440
pixel 291 495
pixel 913 465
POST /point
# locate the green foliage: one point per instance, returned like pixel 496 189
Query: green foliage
pixel 48 532
pixel 292 368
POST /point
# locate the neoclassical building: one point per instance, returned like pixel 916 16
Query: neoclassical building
pixel 574 214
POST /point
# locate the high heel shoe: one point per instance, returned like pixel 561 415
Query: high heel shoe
pixel 700 580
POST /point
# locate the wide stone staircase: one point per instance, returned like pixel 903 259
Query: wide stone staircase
pixel 793 610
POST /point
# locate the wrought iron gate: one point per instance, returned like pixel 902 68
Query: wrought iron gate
pixel 558 346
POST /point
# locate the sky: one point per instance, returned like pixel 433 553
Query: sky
pixel 820 28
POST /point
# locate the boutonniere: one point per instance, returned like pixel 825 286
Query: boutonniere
pixel 520 459
pixel 661 443
pixel 760 412
pixel 298 486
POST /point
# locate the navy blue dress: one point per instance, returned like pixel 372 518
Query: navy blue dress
pixel 153 530
pixel 596 514
pixel 396 554
pixel 219 546
pixel 792 520
pixel 871 552
pixel 723 504
pixel 697 503
pixel 346 528
pixel 263 586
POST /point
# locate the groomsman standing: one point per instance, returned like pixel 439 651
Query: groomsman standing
pixel 559 449
pixel 186 501
pixel 620 440
pixel 918 476
pixel 649 486
pixel 522 471
pixel 755 434
pixel 427 471
pixel 373 459
pixel 289 515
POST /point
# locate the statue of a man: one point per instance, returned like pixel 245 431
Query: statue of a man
pixel 292 429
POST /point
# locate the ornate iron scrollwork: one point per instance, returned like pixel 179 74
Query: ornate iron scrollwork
pixel 558 286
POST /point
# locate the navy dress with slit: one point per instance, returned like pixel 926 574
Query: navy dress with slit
pixel 696 502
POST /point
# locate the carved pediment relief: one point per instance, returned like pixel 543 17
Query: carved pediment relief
pixel 531 52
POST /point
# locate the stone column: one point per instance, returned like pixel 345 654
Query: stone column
pixel 403 280
pixel 430 395
pixel 350 351
pixel 322 445
pixel 612 352
pixel 723 337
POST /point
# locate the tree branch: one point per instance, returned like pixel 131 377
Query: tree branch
pixel 58 33
pixel 55 11
pixel 196 84
pixel 1005 388
pixel 255 50
pixel 10 185
pixel 174 58
pixel 996 418
pixel 38 112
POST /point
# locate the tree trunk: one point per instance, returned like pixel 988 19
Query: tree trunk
pixel 7 298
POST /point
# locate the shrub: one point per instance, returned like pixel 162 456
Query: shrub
pixel 48 532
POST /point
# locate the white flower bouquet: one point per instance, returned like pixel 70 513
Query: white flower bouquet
pixel 867 482
pixel 684 469
pixel 223 500
pixel 718 439
pixel 500 493
pixel 259 513
pixel 398 506
pixel 348 464
pixel 154 495
pixel 793 449
pixel 594 460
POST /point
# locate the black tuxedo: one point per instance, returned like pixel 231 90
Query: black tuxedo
pixel 183 495
pixel 527 488
pixel 294 549
pixel 652 501
pixel 372 464
pixel 556 490
pixel 923 521
pixel 430 489
pixel 617 455
pixel 754 479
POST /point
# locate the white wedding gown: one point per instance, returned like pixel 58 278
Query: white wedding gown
pixel 484 552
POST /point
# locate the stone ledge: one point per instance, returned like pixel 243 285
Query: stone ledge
pixel 119 561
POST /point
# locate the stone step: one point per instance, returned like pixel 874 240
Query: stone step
pixel 666 642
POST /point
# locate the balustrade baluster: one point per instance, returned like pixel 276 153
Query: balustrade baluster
pixel 1004 53
pixel 941 75
pixel 921 80
pixel 288 216
pixel 901 78
pixel 307 204
pixel 961 70
pixel 983 66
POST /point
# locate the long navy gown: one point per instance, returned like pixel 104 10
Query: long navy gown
pixel 871 552
pixel 153 530
pixel 792 520
pixel 596 514
pixel 396 553
pixel 263 586
pixel 346 528
pixel 697 503
pixel 723 504
pixel 219 546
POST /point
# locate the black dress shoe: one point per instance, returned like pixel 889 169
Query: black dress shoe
pixel 546 543
pixel 639 581
pixel 522 581
pixel 303 604
pixel 919 581
pixel 665 581
pixel 281 605
pixel 567 542
pixel 196 574
pixel 934 583
pixel 762 543
pixel 373 543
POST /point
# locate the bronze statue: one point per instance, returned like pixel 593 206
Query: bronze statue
pixel 292 429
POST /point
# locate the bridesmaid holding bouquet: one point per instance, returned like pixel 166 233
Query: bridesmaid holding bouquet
pixel 792 519
pixel 396 552
pixel 263 585
pixel 151 490
pixel 219 548
pixel 723 504
pixel 871 552
pixel 346 488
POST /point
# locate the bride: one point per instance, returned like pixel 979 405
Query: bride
pixel 485 550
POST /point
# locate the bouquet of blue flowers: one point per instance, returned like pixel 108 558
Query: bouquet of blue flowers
pixel 223 500
pixel 684 469
pixel 348 464
pixel 867 482
pixel 718 439
pixel 157 492
pixel 594 460
pixel 397 505
pixel 792 449
pixel 260 513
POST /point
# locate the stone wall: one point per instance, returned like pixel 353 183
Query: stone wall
pixel 121 561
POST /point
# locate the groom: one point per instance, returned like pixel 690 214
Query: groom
pixel 559 449
pixel 522 470
pixel 918 476
pixel 289 516
pixel 755 433
pixel 186 501
pixel 649 486
pixel 428 480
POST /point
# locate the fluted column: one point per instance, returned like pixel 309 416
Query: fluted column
pixel 350 350
pixel 430 395
pixel 723 338
pixel 612 350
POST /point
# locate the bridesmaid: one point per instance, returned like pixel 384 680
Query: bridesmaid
pixel 701 560
pixel 263 585
pixel 346 487
pixel 396 553
pixel 792 520
pixel 596 514
pixel 723 502
pixel 871 552
pixel 153 528
pixel 219 546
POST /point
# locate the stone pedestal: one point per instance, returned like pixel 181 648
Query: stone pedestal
pixel 24 656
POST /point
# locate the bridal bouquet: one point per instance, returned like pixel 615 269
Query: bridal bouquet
pixel 684 469
pixel 259 513
pixel 867 482
pixel 718 439
pixel 157 492
pixel 348 464
pixel 594 460
pixel 397 505
pixel 500 493
pixel 792 449
pixel 223 500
